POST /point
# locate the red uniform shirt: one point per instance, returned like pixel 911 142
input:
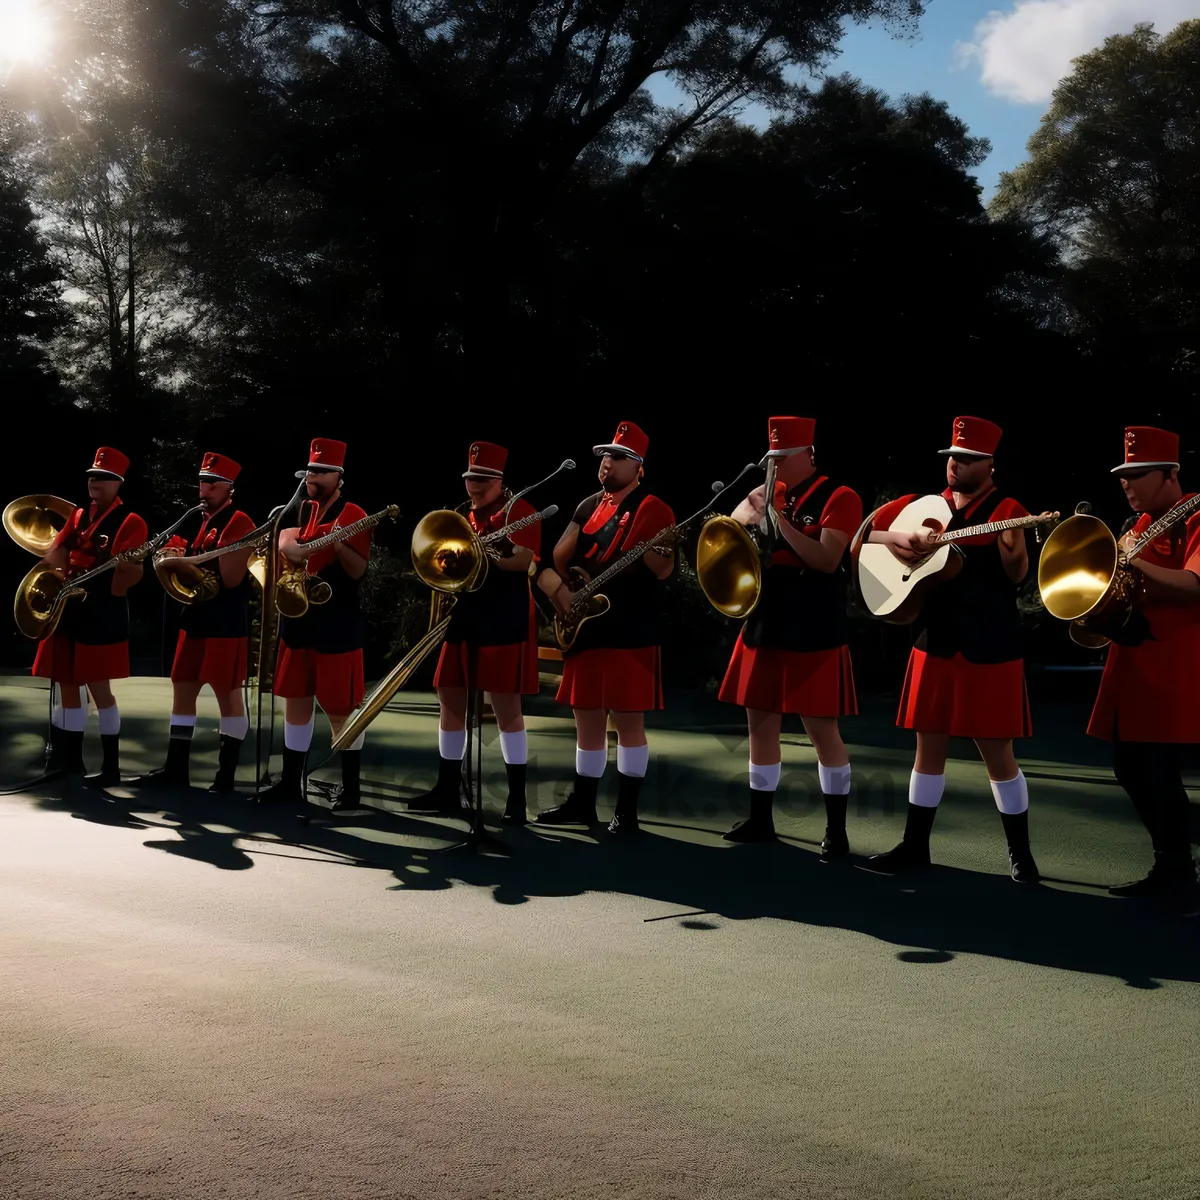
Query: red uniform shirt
pixel 360 543
pixel 1006 510
pixel 530 537
pixel 842 511
pixel 1179 553
pixel 647 522
pixel 86 549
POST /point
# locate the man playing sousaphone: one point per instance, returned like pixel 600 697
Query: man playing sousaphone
pixel 491 642
pixel 214 637
pixel 1148 705
pixel 90 646
pixel 320 653
pixel 615 665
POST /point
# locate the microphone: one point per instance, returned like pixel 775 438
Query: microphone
pixel 1082 508
pixel 300 474
pixel 568 465
pixel 550 511
pixel 718 486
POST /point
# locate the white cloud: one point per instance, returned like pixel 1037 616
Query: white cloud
pixel 1023 53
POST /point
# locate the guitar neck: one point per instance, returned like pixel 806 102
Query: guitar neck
pixel 590 589
pixel 992 527
pixel 1180 512
pixel 346 531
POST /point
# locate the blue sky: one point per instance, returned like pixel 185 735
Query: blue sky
pixel 995 64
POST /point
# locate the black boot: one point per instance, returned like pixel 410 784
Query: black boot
pixel 913 852
pixel 1170 878
pixel 231 751
pixel 348 796
pixel 56 758
pixel 579 808
pixel 1020 857
pixel 514 807
pixel 72 743
pixel 761 825
pixel 625 819
pixel 445 797
pixel 292 785
pixel 110 765
pixel 836 843
pixel 174 774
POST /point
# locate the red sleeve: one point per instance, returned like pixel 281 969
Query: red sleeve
pixel 843 512
pixel 237 527
pixel 652 518
pixel 890 511
pixel 68 529
pixel 1191 551
pixel 1008 509
pixel 131 535
pixel 531 536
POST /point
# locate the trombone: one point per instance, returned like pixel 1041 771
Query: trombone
pixel 450 558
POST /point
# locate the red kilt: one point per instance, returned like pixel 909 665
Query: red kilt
pixel 222 663
pixel 965 699
pixel 504 669
pixel 812 683
pixel 336 680
pixel 1149 691
pixel 612 679
pixel 62 660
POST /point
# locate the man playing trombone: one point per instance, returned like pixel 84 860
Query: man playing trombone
pixel 214 636
pixel 491 642
pixel 320 653
pixel 90 646
pixel 615 664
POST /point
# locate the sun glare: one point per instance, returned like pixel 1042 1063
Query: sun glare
pixel 25 33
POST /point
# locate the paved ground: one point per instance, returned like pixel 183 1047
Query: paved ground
pixel 202 1000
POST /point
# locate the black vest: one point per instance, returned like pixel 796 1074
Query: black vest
pixel 97 618
pixel 335 627
pixel 801 609
pixel 227 614
pixel 632 621
pixel 497 614
pixel 975 614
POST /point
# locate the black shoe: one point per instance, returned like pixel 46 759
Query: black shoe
pixel 444 799
pixel 835 843
pixel 231 751
pixel 579 808
pixel 1020 858
pixel 348 796
pixel 912 854
pixel 760 827
pixel 1165 881
pixel 174 774
pixel 514 806
pixel 625 819
pixel 109 774
pixel 292 786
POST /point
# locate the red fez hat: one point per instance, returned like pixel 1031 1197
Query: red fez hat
pixel 628 440
pixel 218 468
pixel 973 437
pixel 109 464
pixel 485 460
pixel 788 435
pixel 1147 447
pixel 326 455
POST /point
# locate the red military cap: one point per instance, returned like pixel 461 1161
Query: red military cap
pixel 485 460
pixel 219 468
pixel 109 464
pixel 628 440
pixel 1147 447
pixel 789 435
pixel 973 437
pixel 326 455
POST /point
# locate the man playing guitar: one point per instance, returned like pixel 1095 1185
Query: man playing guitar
pixel 320 653
pixel 1147 704
pixel 966 675
pixel 615 664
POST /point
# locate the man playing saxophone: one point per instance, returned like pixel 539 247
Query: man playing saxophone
pixel 1147 705
pixel 320 653
pixel 214 636
pixel 90 646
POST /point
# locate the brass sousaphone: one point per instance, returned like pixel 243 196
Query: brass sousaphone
pixel 33 522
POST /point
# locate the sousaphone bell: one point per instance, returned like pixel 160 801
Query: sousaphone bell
pixel 33 522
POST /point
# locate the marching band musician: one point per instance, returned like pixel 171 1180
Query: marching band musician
pixel 966 675
pixel 1147 704
pixel 214 638
pixel 615 664
pixel 792 654
pixel 90 646
pixel 320 653
pixel 491 642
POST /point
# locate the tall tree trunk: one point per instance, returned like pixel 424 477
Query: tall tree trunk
pixel 131 347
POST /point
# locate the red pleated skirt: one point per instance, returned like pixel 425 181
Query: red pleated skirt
pixel 1149 692
pixel 63 661
pixel 336 680
pixel 502 669
pixel 613 679
pixel 222 663
pixel 813 683
pixel 965 699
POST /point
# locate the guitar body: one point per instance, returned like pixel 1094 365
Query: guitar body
pixel 895 591
pixel 566 629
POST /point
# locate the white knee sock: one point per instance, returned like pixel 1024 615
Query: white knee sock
pixel 235 727
pixel 765 778
pixel 633 760
pixel 835 781
pixel 1012 795
pixel 56 717
pixel 925 791
pixel 590 764
pixel 299 737
pixel 452 743
pixel 110 720
pixel 183 727
pixel 514 747
pixel 75 719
